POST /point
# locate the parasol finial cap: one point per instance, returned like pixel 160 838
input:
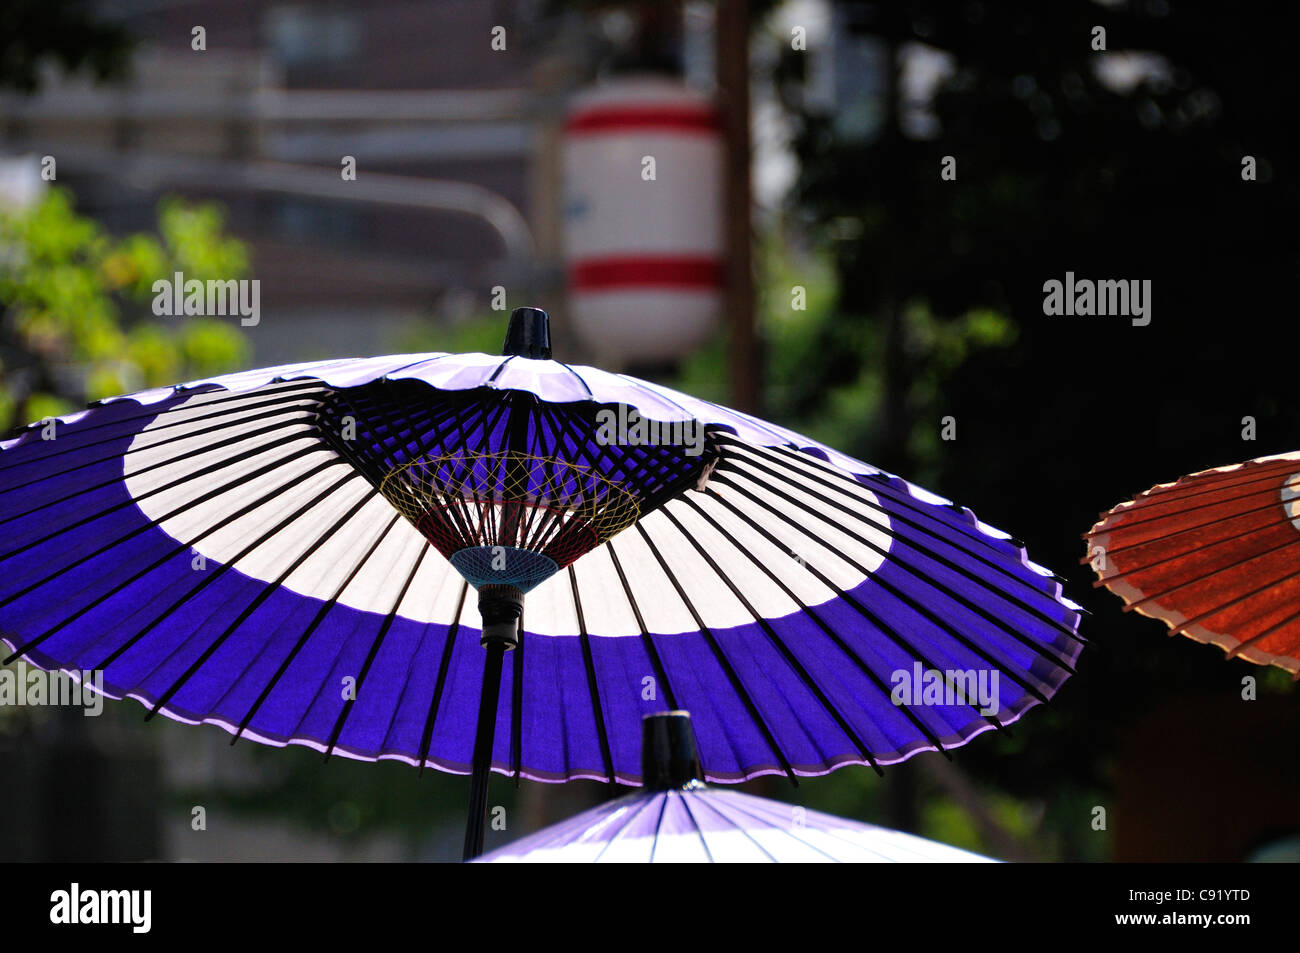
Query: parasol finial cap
pixel 529 334
pixel 669 758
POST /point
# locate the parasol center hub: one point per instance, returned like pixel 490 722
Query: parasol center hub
pixel 500 607
pixel 503 566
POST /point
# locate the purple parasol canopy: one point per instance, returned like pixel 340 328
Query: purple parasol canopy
pixel 288 553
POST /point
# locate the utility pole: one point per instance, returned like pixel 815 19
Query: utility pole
pixel 731 29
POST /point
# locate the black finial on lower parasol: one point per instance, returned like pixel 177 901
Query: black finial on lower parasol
pixel 669 758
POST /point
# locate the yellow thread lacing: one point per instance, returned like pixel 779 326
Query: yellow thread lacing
pixel 489 479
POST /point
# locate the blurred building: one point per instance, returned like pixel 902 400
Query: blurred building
pixel 453 194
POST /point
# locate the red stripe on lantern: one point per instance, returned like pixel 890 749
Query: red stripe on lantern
pixel 625 118
pixel 675 271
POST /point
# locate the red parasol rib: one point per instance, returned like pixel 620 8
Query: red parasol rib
pixel 1215 556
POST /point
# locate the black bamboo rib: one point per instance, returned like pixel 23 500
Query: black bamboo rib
pixel 426 739
pixel 919 607
pixel 429 415
pixel 1253 640
pixel 226 424
pixel 457 412
pixel 560 425
pixel 171 554
pixel 119 479
pixel 640 809
pixel 741 809
pixel 517 704
pixel 584 439
pixel 311 628
pixel 887 630
pixel 592 685
pixel 386 417
pixel 221 570
pixel 492 416
pixel 377 420
pixel 500 367
pixel 1197 486
pixel 1231 471
pixel 1232 535
pixel 659 826
pixel 146 526
pixel 723 411
pixel 721 656
pixel 541 527
pixel 670 491
pixel 306 390
pixel 448 406
pixel 581 432
pixel 486 528
pixel 1241 597
pixel 898 559
pixel 387 624
pixel 821 623
pixel 516 446
pixel 391 459
pixel 882 485
pixel 699 831
pixel 834 477
pixel 460 417
pixel 370 426
pixel 1151 597
pixel 1206 485
pixel 528 513
pixel 778 643
pixel 268 590
pixel 1112 550
pixel 1036 647
pixel 706 803
pixel 1194 550
pixel 1274 494
pixel 85 427
pixel 186 478
pixel 792 475
pixel 803 467
pixel 845 484
pixel 578 376
pixel 139 575
pixel 550 525
pixel 489 515
pixel 917 545
pixel 661 674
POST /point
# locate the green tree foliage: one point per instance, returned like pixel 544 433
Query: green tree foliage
pixel 77 323
pixel 1058 168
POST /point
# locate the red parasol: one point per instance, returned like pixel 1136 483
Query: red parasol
pixel 1215 556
